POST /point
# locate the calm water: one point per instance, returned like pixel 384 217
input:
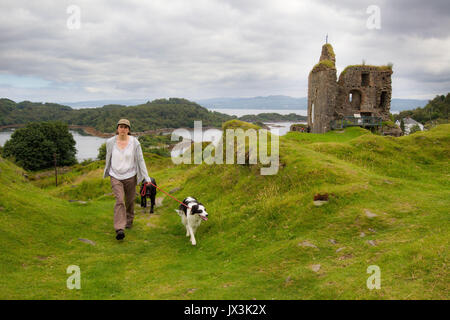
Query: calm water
pixel 5 135
pixel 87 146
pixel 280 128
pixel 214 135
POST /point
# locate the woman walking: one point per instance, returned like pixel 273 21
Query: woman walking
pixel 125 166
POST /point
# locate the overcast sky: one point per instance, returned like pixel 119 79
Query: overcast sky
pixel 199 49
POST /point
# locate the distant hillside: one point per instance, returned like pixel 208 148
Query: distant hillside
pixel 272 117
pixel 269 102
pixel 162 113
pixel 435 112
pixel 285 102
pixel 101 103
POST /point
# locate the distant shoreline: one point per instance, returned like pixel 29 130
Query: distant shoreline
pixel 94 132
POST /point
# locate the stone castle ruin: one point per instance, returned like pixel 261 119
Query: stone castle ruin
pixel 361 96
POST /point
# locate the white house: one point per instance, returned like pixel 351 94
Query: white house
pixel 409 123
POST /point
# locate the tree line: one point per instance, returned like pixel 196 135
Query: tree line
pixel 435 112
pixel 161 113
pixel 275 117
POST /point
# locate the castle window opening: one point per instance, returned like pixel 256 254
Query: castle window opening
pixel 383 99
pixel 355 99
pixel 364 79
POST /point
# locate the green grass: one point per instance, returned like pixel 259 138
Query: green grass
pixel 330 50
pixel 323 65
pixel 387 67
pixel 251 245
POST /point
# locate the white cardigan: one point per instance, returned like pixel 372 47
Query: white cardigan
pixel 141 169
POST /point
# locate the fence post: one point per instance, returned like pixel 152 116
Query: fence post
pixel 56 171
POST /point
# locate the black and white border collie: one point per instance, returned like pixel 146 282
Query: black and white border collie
pixel 192 216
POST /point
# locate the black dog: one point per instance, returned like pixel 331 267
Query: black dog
pixel 148 191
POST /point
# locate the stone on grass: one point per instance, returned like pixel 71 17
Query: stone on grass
pixel 319 203
pixel 175 189
pixel 370 214
pixel 159 202
pixel 306 243
pixel 315 267
pixel 87 241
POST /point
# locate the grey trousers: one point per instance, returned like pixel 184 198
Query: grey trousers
pixel 125 193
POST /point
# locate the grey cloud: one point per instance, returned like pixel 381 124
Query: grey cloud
pixel 201 49
pixel 403 17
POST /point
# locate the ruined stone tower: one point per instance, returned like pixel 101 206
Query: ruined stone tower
pixel 322 92
pixel 362 96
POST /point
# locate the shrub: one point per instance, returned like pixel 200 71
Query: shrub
pixel 414 128
pixel 164 152
pixel 34 146
pixel 102 152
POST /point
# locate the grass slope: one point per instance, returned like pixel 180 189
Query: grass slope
pixel 264 234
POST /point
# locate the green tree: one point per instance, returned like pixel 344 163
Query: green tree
pixel 102 152
pixel 33 147
pixel 414 128
pixel 402 125
pixel 435 112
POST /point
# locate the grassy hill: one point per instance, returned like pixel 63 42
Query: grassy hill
pixel 265 239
